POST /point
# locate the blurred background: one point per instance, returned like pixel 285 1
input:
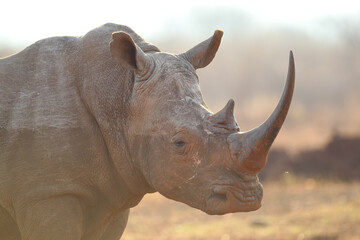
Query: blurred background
pixel 311 181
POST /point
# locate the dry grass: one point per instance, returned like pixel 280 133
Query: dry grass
pixel 292 209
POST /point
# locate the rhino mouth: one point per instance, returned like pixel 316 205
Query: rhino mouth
pixel 230 198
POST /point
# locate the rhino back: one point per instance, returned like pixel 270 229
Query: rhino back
pixel 46 133
pixel 41 86
pixel 38 86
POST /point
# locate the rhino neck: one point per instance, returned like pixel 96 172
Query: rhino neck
pixel 105 89
pixel 123 157
pixel 113 124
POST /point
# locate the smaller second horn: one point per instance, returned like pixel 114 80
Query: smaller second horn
pixel 224 120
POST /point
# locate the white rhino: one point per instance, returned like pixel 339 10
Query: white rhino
pixel 88 128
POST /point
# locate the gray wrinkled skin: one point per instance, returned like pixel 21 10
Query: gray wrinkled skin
pixel 87 128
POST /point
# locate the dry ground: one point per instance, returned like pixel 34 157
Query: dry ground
pixel 292 209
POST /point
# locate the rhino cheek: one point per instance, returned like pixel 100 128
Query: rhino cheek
pixel 189 184
pixel 168 174
pixel 193 193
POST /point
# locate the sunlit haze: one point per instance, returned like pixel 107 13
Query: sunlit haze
pixel 23 22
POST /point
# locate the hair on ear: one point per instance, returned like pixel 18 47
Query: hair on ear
pixel 203 53
pixel 123 49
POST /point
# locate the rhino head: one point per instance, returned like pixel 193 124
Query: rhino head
pixel 182 149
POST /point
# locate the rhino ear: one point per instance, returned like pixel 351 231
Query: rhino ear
pixel 125 52
pixel 203 53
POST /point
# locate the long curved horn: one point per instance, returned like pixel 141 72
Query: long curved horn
pixel 250 149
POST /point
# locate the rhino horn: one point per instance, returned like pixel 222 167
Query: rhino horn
pixel 126 53
pixel 224 119
pixel 250 149
pixel 203 53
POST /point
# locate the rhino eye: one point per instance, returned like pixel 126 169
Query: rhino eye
pixel 180 143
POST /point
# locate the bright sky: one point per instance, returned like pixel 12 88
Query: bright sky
pixel 24 21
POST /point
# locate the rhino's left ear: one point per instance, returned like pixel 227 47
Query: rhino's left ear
pixel 125 52
pixel 203 53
